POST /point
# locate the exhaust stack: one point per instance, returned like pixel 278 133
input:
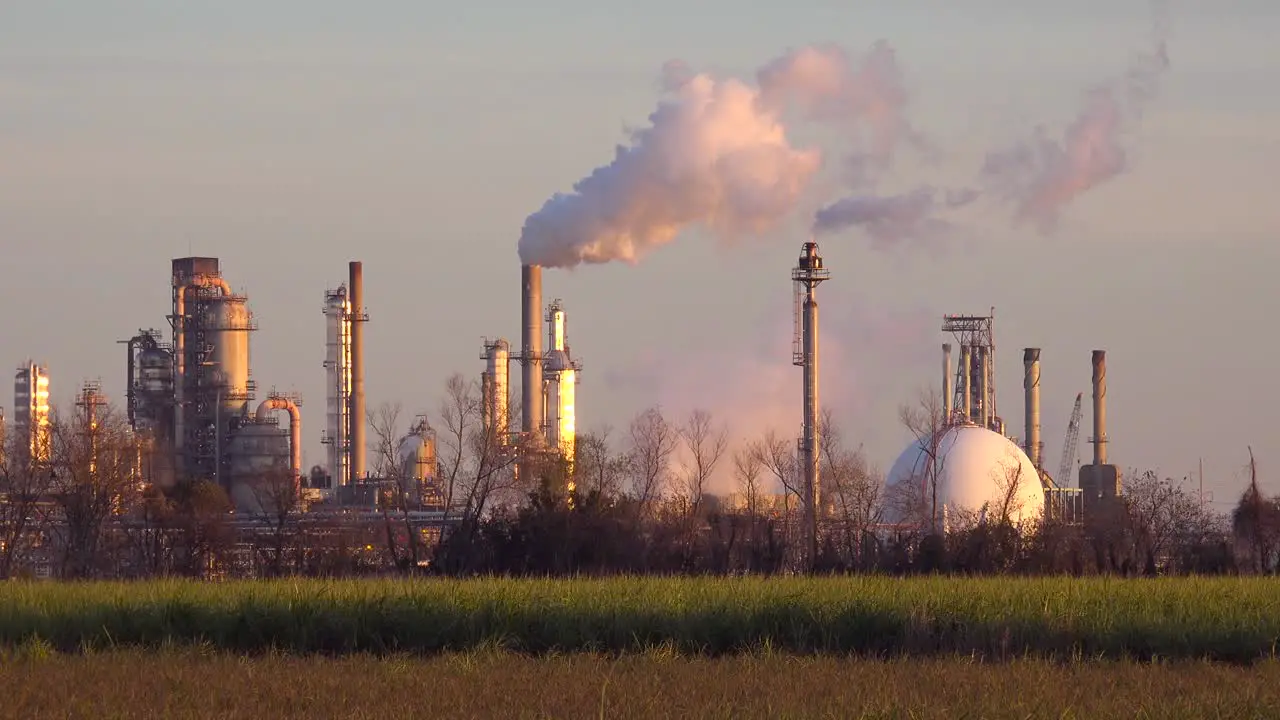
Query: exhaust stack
pixel 1031 384
pixel 358 416
pixel 531 351
pixel 806 276
pixel 1099 407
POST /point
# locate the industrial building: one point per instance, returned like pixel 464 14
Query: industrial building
pixel 32 431
pixel 548 383
pixel 965 467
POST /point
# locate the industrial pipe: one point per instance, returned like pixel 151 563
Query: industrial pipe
pixel 966 360
pixel 1031 385
pixel 1099 407
pixel 947 392
pixel 531 351
pixel 357 417
pixel 277 402
pixel 984 388
pixel 180 342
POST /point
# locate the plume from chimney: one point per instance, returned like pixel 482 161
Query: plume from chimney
pixel 1031 385
pixel 716 153
pixel 1099 407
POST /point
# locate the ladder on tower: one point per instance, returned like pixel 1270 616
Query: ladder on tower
pixel 1071 447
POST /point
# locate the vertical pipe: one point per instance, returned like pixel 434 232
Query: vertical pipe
pixel 948 394
pixel 813 487
pixel 1099 407
pixel 358 416
pixel 1031 385
pixel 984 385
pixel 179 362
pixel 531 347
pixel 966 361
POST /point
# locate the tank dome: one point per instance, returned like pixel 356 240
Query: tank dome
pixel 981 473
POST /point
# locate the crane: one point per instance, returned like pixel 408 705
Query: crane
pixel 1071 447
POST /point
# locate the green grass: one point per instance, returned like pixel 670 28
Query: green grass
pixel 196 683
pixel 1229 619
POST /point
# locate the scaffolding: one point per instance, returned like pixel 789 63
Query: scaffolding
pixel 975 334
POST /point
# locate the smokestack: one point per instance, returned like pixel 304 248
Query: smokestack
pixel 1031 384
pixel 807 274
pixel 358 415
pixel 1099 407
pixel 966 360
pixel 531 350
pixel 947 393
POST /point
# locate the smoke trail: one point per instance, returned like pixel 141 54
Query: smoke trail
pixel 893 218
pixel 712 154
pixel 1041 175
pixel 716 153
pixel 867 100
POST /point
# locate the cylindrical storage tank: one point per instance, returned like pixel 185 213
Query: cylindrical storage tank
pixel 231 323
pixel 417 455
pixel 259 460
pixel 980 473
pixel 155 371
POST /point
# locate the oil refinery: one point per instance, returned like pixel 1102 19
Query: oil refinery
pixel 192 395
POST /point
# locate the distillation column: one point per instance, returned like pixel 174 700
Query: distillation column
pixel 807 275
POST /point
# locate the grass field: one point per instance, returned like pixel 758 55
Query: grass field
pixel 194 683
pixel 1228 619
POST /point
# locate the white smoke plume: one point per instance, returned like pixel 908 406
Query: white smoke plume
pixel 867 99
pixel 716 154
pixel 1041 175
pixel 713 154
pixel 891 219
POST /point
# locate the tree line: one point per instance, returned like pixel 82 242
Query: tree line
pixel 665 495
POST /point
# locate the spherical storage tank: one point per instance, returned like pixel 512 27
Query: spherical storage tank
pixel 978 470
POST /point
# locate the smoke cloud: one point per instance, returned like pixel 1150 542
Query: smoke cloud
pixel 713 154
pixel 1041 175
pixel 891 219
pixel 716 154
pixel 866 100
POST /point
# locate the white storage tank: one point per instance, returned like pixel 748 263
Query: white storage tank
pixel 980 474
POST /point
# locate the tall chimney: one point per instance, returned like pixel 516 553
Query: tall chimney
pixel 1099 407
pixel 358 415
pixel 1031 384
pixel 966 359
pixel 531 350
pixel 947 392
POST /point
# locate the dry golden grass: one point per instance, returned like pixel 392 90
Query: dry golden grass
pixel 189 683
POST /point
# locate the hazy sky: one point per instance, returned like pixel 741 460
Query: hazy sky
pixel 289 139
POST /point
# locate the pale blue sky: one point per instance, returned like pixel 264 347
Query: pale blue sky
pixel 417 136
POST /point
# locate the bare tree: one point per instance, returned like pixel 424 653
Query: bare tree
pixel 95 460
pixel 385 423
pixel 23 485
pixel 850 487
pixel 748 466
pixel 1256 523
pixel 276 497
pixel 653 441
pixel 598 469
pixel 705 444
pixel 926 422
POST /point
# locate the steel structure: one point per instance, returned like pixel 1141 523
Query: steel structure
pixel 149 388
pixel 975 387
pixel 495 386
pixel 212 385
pixel 806 276
pixel 561 380
pixel 1071 445
pixel 531 356
pixel 33 433
pixel 337 363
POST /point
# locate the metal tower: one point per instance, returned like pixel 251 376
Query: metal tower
pixel 975 388
pixel 806 275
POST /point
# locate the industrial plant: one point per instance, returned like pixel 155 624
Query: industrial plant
pixel 193 405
